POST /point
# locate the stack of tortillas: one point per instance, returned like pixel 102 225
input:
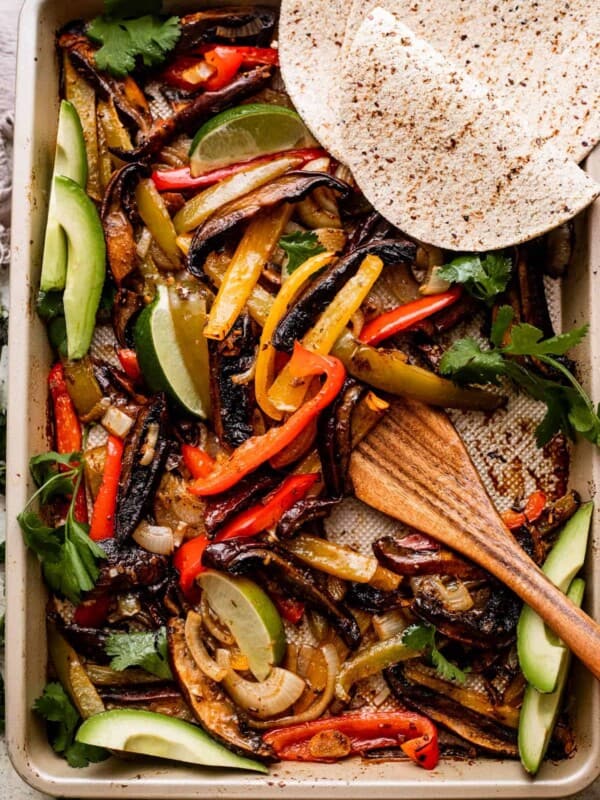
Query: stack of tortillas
pixel 463 121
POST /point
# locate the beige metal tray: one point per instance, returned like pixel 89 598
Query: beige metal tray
pixel 37 105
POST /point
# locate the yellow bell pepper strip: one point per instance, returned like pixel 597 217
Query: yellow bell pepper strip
pixel 407 315
pixel 342 562
pixel 258 449
pixel 260 301
pixel 79 92
pixel 387 370
pixel 115 132
pixel 254 251
pixel 265 361
pixel 327 740
pixel 370 661
pixel 153 211
pixel 200 207
pixel 286 394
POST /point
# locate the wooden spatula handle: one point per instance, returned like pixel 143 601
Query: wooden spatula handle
pixel 414 466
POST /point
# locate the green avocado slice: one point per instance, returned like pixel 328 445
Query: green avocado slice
pixel 152 734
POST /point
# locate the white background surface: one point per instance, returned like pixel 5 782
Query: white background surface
pixel 11 787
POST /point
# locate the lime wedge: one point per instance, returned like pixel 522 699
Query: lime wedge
pixel 251 617
pixel 165 365
pixel 246 132
pixel 152 734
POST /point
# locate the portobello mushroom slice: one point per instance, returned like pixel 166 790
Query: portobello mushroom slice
pixel 126 306
pixel 335 437
pixel 190 115
pixel 129 568
pixel 241 556
pixel 303 512
pixel 144 458
pixel 320 293
pixel 116 215
pixel 160 699
pixel 485 733
pixel 213 709
pixel 246 25
pixel 232 402
pixel 128 98
pixel 220 509
pixel 428 559
pixel 491 622
pixel 290 187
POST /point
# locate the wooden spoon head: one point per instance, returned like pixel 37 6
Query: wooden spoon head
pixel 414 467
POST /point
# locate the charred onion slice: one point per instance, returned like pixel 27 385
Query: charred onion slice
pixel 288 188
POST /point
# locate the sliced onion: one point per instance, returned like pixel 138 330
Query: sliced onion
pixel 143 244
pixel 332 660
pixel 212 626
pixel 454 596
pixel 148 447
pixel 389 624
pixel 433 283
pixel 193 639
pixel 154 538
pixel 263 699
pixel 242 378
pixel 117 422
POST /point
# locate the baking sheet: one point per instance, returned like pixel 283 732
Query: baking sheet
pixel 26 658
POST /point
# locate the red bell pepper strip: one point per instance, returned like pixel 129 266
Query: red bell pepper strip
pixel 291 610
pixel 416 735
pixel 513 519
pixel 407 315
pixel 92 613
pixel 188 562
pixel 536 503
pixel 199 463
pixel 180 179
pixel 129 362
pixel 103 514
pixel 251 56
pixel 188 73
pixel 258 449
pixel 67 428
pixel 226 63
pixel 263 515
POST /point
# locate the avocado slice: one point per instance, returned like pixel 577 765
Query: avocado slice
pixel 86 256
pixel 539 711
pixel 152 734
pixel 70 160
pixel 541 654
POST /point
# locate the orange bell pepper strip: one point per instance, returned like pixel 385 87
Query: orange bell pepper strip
pixel 129 362
pixel 258 449
pixel 103 514
pixel 407 315
pixel 414 733
pixel 536 502
pixel 67 428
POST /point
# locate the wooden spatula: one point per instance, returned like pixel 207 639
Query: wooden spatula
pixel 414 467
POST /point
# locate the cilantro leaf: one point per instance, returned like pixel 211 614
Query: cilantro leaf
pixel 147 650
pixel 467 362
pixel 527 340
pixel 125 40
pixel 57 709
pixel 483 277
pixel 422 637
pixel 300 246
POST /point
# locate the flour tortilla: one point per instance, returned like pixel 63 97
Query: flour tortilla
pixel 311 33
pixel 440 159
pixel 539 58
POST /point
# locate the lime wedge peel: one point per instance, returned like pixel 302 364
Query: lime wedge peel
pixel 246 132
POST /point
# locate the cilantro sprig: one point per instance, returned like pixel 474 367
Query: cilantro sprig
pixel 63 720
pixel 145 649
pixel 299 246
pixel 422 637
pixel 67 554
pixel 569 409
pixel 484 277
pixel 127 38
